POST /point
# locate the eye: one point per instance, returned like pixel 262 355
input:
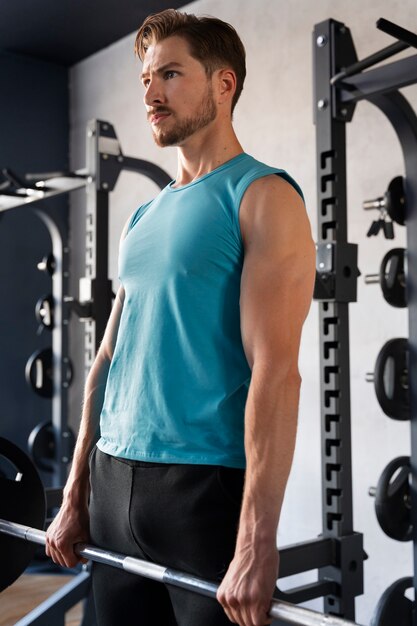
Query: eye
pixel 145 82
pixel 169 74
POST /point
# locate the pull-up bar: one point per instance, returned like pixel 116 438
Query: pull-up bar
pixel 406 39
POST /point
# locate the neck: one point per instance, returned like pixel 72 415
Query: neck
pixel 204 152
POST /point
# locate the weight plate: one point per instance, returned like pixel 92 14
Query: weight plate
pixel 395 197
pixel 391 379
pixel 392 500
pixel 38 372
pixel 22 500
pixel 42 446
pixel 394 608
pixel 392 278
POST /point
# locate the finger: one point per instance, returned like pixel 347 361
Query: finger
pixel 247 616
pixel 260 617
pixel 56 557
pixel 64 555
pixel 226 607
pixel 71 558
pixel 235 613
pixel 230 616
pixel 230 613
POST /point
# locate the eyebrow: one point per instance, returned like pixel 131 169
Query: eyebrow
pixel 161 69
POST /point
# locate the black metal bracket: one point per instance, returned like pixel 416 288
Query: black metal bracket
pixel 336 271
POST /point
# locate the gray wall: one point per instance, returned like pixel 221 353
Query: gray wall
pixel 274 123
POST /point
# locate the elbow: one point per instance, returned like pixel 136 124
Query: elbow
pixel 294 379
pixel 281 373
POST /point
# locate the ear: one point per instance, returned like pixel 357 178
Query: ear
pixel 226 85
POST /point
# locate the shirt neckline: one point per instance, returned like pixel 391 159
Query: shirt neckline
pixel 221 167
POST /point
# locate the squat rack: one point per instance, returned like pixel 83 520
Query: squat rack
pixel 104 163
pixel 339 84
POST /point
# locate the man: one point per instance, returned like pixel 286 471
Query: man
pixel 197 375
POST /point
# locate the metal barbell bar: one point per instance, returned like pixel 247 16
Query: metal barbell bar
pixel 289 613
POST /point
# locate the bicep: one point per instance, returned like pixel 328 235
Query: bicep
pixel 277 279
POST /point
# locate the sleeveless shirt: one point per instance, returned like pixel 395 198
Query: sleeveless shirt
pixel 179 378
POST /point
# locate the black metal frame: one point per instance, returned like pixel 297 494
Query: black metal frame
pixel 337 89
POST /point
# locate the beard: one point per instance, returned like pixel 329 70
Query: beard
pixel 185 128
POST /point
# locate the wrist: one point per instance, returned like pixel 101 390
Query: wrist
pixel 260 536
pixel 76 492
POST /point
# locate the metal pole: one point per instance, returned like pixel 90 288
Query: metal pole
pixel 333 48
pixel 381 55
pixel 284 611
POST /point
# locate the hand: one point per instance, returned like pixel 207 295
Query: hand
pixel 69 527
pixel 246 591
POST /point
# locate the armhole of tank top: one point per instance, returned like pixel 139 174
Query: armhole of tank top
pixel 136 214
pixel 255 176
pixel 133 219
pixel 292 182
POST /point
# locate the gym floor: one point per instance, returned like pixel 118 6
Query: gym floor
pixel 28 592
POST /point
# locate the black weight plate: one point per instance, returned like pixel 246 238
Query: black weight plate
pixel 394 608
pixel 392 500
pixel 38 372
pixel 391 379
pixel 396 200
pixel 41 446
pixel 392 278
pixel 22 500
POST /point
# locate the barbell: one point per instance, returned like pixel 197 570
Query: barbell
pixel 288 613
pixel 27 482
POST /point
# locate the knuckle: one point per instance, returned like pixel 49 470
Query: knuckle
pixel 232 600
pixel 220 593
pixel 244 598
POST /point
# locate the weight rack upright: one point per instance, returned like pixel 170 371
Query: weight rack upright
pixel 339 83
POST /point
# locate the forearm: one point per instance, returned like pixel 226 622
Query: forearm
pixel 77 487
pixel 270 433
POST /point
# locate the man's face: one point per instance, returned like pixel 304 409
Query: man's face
pixel 178 96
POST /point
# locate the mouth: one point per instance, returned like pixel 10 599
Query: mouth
pixel 158 117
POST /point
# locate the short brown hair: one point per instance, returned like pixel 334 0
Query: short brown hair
pixel 212 42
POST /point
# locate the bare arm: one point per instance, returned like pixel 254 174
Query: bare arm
pixel 77 487
pixel 71 525
pixel 276 291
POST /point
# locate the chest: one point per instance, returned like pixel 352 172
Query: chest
pixel 181 238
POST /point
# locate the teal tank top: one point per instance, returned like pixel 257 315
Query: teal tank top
pixel 178 380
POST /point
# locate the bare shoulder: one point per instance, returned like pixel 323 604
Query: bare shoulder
pixel 272 205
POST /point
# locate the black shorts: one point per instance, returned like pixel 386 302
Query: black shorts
pixel 180 516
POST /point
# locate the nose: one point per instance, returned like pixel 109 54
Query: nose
pixel 153 94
